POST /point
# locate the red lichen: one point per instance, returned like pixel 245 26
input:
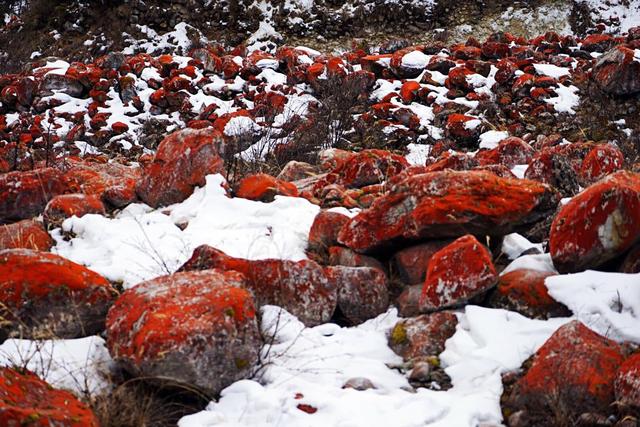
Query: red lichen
pixel 27 400
pixel 458 272
pixel 598 224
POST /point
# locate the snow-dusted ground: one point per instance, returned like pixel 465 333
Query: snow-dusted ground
pixel 309 366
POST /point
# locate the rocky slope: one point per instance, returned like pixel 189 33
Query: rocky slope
pixel 438 233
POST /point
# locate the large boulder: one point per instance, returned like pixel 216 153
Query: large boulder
pixel 571 374
pixel 449 204
pixel 26 234
pixel 26 400
pixel 25 194
pixel 194 328
pixel 182 162
pixel 457 273
pixel 362 292
pixel 300 287
pixel 598 224
pixel 45 295
pixel 617 72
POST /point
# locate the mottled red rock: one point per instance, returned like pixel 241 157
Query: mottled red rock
pixel 448 204
pixel 601 161
pixel 627 383
pixel 25 194
pixel 112 182
pixel 524 291
pixel 598 224
pixel 26 234
pixel 559 166
pixel 264 188
pixel 45 293
pixel 458 272
pixel 67 205
pixel 339 255
pixel 196 328
pixel 574 370
pixel 362 292
pixel 365 168
pixel 324 231
pixel 617 72
pixel 294 171
pixel 182 162
pixel 597 42
pixel 454 161
pixel 422 336
pixel 26 400
pixel 509 152
pixel 300 287
pixel 409 90
pixel 411 263
pixel 462 128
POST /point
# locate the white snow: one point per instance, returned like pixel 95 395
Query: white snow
pixel 541 262
pixel 415 59
pixel 566 100
pixel 515 244
pixel 609 303
pixel 492 138
pixel 79 365
pixel 140 243
pixel 418 154
pixel 551 70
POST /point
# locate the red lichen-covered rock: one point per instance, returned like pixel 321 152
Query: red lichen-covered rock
pixel 559 166
pixel 524 291
pixel 324 231
pixel 409 90
pixel 454 161
pixel 43 293
pixel 294 171
pixel 114 183
pixel 196 328
pixel 182 162
pixel 422 336
pixel 26 400
pixel 362 292
pixel 448 204
pixel 367 167
pixel 598 224
pixel 67 205
pixel 509 152
pixel 300 287
pixel 26 234
pixel 339 255
pixel 601 161
pixel 264 188
pixel 574 370
pixel 627 383
pixel 25 194
pixel 617 72
pixel 410 303
pixel 464 129
pixel 457 273
pixel 597 42
pixel 411 263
